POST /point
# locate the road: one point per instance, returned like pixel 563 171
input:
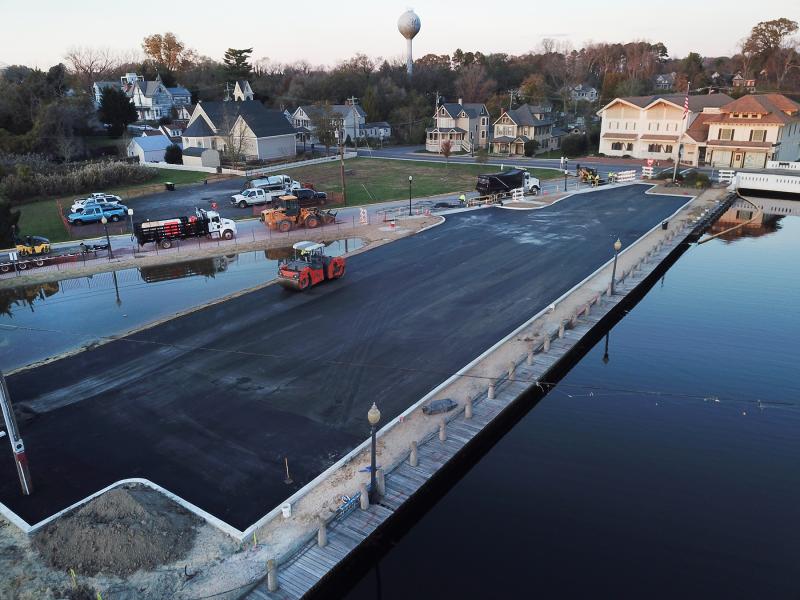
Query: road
pixel 208 405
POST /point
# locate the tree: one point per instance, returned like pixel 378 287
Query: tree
pixel 173 155
pixel 574 145
pixel 116 110
pixel 692 68
pixel 237 63
pixel 325 126
pixel 766 37
pixel 474 84
pixel 91 64
pixel 166 50
pixel 8 223
pixel 533 88
pixel 446 149
pixel 531 146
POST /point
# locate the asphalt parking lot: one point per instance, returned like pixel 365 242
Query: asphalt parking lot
pixel 208 405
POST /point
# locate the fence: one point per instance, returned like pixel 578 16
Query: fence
pixel 726 175
pixel 647 172
pixel 292 165
pixel 625 176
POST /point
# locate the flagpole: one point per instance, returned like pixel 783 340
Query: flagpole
pixel 680 136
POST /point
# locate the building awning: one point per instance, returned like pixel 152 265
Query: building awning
pixel 660 138
pixel 620 136
pixel 739 144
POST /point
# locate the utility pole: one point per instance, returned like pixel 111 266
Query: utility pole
pixel 17 446
pixel 353 101
pixel 341 168
pixel 510 99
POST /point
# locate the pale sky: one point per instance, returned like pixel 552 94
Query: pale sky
pixel 38 32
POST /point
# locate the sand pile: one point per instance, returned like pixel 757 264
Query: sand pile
pixel 122 531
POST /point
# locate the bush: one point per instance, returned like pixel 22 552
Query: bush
pixel 165 120
pixel 574 145
pixel 27 183
pixel 173 155
pixel 531 146
pixel 695 179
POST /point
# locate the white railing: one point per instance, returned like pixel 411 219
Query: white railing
pixel 726 175
pixel 625 176
pixel 292 165
pixel 647 172
pixel 783 164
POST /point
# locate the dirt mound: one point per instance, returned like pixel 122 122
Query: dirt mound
pixel 122 531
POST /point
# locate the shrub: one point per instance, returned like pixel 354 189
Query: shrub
pixel 173 155
pixel 26 183
pixel 574 145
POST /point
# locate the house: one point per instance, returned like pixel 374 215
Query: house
pixel 739 81
pixel 152 99
pixel 242 91
pixel 201 157
pixel 379 130
pixel 518 126
pixel 184 113
pixel 349 118
pixel 174 130
pixel 648 127
pixel 747 132
pixel 665 81
pixel 149 148
pixel 582 92
pixel 244 129
pixel 465 125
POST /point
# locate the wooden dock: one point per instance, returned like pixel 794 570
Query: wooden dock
pixel 307 567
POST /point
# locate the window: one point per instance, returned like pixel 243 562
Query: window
pixel 483 134
pixel 629 148
pixel 668 148
pixel 484 120
pixel 725 134
pixel 758 135
pixel 616 146
pixel 654 148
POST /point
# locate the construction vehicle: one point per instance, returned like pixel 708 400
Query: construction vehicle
pixel 31 245
pixel 587 174
pixel 204 223
pixel 288 215
pixel 309 266
pixel 504 183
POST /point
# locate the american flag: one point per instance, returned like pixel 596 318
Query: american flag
pixel 686 102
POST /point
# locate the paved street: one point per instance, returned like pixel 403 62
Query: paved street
pixel 208 405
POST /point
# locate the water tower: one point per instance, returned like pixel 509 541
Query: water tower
pixel 409 25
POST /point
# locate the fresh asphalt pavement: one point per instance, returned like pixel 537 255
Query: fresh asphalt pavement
pixel 210 404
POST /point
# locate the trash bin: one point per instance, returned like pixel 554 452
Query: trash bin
pixel 664 225
pixel 170 186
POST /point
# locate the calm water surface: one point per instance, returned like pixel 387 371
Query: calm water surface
pixel 44 320
pixel 670 471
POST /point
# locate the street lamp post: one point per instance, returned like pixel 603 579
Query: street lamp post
pixel 130 214
pixel 410 179
pixel 605 353
pixel 565 179
pixel 617 248
pixel 104 221
pixel 373 416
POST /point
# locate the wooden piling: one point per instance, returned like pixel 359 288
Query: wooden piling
pixel 413 457
pixel 272 575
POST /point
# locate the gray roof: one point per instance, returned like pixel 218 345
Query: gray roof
pixel 340 109
pixel 153 142
pixel 524 116
pixel 696 103
pixel 105 84
pixel 473 109
pixel 199 128
pixel 264 122
pixel 179 91
pixel 194 151
pixel 377 124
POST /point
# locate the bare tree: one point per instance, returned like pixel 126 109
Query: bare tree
pixel 474 85
pixel 446 149
pixel 784 59
pixel 90 64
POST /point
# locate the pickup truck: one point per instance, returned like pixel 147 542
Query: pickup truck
pixel 94 213
pixel 252 197
pixel 96 198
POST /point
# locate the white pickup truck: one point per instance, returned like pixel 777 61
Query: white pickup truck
pixel 255 196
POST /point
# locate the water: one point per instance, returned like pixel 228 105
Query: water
pixel 44 320
pixel 671 470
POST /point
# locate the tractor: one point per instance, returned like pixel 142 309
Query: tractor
pixel 290 215
pixel 31 245
pixel 587 174
pixel 309 266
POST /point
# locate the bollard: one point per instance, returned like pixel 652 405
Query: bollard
pixel 380 480
pixel 443 431
pixel 530 356
pixel 511 368
pixel 468 409
pixel 573 322
pixel 491 391
pixel 364 496
pixel 546 344
pixel 322 535
pixel 272 576
pixel 413 459
pixel 561 330
pixel 588 309
pixel 608 290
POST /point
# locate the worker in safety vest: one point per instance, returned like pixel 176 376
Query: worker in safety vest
pixel 596 180
pixel 462 200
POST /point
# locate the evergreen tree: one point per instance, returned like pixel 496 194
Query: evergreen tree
pixel 237 63
pixel 116 110
pixel 173 155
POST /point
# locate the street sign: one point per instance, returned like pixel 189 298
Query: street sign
pixel 650 162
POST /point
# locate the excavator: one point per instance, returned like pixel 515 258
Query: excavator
pixel 288 215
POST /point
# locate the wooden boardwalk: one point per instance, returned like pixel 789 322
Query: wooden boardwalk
pixel 311 563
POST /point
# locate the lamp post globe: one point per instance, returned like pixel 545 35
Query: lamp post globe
pixel 617 245
pixel 410 179
pixel 617 248
pixel 373 416
pixel 104 221
pixel 130 214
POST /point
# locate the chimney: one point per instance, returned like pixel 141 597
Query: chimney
pixel 461 101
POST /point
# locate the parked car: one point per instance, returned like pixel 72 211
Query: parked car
pixel 96 198
pixel 308 197
pixel 94 213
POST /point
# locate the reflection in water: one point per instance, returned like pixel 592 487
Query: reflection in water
pixel 742 213
pixel 78 311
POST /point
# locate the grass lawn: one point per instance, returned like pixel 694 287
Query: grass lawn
pixel 372 180
pixel 40 217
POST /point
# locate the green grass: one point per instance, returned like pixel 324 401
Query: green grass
pixel 372 180
pixel 40 217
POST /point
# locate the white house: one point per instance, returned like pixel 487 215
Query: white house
pixel 246 129
pixel 201 157
pixel 349 118
pixel 152 99
pixel 665 81
pixel 464 124
pixel 149 148
pixel 380 130
pixel 583 92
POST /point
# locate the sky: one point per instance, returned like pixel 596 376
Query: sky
pixel 38 32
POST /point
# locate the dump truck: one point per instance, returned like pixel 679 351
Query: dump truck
pixel 204 223
pixel 290 215
pixel 504 183
pixel 309 266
